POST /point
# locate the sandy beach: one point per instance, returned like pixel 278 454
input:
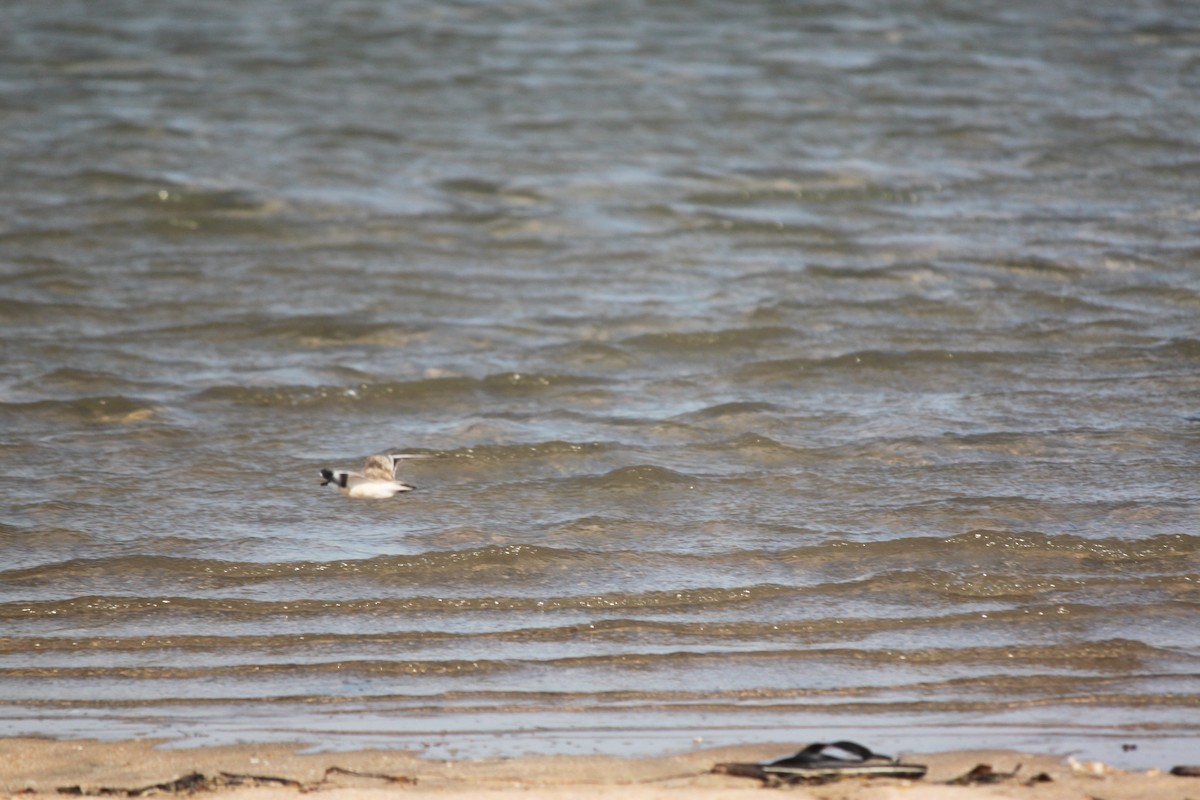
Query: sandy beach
pixel 36 767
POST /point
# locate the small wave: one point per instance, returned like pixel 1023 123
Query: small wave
pixel 901 272
pixel 1021 558
pixel 638 476
pixel 554 448
pixel 433 389
pixel 321 330
pixel 51 313
pixel 310 331
pixel 492 190
pixel 338 134
pixel 134 69
pixel 111 177
pixel 750 446
pixel 786 227
pixel 524 383
pixel 219 572
pixel 900 361
pixel 118 393
pixel 112 607
pixel 1113 655
pixel 592 354
pixel 71 379
pixel 1044 268
pixel 110 409
pixel 205 200
pixel 439 390
pixel 1087 550
pixel 1184 350
pixel 734 409
pixel 259 671
pixel 708 342
pixel 810 190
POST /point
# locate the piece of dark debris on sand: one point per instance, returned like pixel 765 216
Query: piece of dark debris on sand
pixel 982 774
pixel 196 782
pixel 985 774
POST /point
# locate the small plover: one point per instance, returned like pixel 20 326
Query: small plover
pixel 376 481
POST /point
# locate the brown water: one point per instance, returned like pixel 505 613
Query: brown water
pixel 795 371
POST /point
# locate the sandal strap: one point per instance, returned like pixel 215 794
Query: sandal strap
pixel 814 755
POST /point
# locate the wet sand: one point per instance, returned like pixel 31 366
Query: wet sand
pixel 35 767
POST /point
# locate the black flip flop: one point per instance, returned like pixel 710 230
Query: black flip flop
pixel 813 763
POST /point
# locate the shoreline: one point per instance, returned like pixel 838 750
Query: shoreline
pixel 33 767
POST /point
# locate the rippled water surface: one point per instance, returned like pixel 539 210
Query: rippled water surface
pixel 792 370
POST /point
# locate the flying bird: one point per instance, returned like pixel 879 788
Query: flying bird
pixel 376 481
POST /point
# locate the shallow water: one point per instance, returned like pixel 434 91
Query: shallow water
pixel 792 371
